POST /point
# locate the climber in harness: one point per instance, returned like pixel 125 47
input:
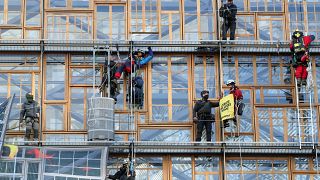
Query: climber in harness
pixel 114 86
pixel 139 59
pixel 238 104
pixel 299 47
pixel 202 115
pixel 121 174
pixel 126 172
pixel 134 62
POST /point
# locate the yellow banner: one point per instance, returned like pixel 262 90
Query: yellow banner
pixel 226 105
pixel 13 150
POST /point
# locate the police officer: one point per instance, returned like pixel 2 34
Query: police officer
pixel 30 112
pixel 228 12
pixel 202 115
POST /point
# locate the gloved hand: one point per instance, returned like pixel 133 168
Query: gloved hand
pixel 150 51
pixel 195 120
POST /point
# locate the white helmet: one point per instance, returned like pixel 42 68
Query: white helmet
pixel 230 81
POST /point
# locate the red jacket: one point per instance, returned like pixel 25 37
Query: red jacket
pixel 237 94
pixel 306 40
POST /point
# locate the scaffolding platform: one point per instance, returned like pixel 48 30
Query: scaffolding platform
pixel 212 46
pixel 217 148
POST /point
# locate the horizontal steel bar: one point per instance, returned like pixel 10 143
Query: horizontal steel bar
pixel 160 46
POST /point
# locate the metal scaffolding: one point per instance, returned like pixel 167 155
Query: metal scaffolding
pixel 158 46
pixel 217 148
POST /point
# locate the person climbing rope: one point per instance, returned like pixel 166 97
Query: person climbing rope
pixel 139 59
pixel 299 47
pixel 121 174
pixel 238 97
pixel 114 85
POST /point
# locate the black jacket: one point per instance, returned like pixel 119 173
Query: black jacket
pixel 29 109
pixel 228 12
pixel 203 107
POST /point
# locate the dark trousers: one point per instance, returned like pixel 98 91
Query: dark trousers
pixel 200 125
pixel 226 26
pixel 32 124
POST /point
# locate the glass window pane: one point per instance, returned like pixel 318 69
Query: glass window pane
pixel 14 12
pixel 77 113
pixel 55 77
pixel 1 11
pixel 181 168
pixel 33 13
pixel 32 34
pixel 245 27
pixel 245 67
pixel 263 70
pixel 167 135
pixel 80 3
pixel 207 164
pixel 228 68
pixel 58 3
pixel 55 117
pixel 11 33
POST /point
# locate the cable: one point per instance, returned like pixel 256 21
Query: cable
pixel 239 128
pixel 131 107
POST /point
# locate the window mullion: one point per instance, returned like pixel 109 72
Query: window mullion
pixel 169 89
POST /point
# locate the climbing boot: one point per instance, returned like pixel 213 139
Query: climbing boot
pixel 226 124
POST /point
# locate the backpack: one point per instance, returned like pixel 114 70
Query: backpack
pixel 241 107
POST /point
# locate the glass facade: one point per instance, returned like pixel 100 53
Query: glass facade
pixel 62 82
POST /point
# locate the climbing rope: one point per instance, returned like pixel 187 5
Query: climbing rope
pixel 132 155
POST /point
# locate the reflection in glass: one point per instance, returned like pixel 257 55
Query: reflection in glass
pixel 266 6
pixel 181 168
pixel 14 12
pixel 33 13
pixel 228 68
pixel 145 167
pixel 77 108
pixel 114 16
pixel 166 135
pixel 32 34
pixel 123 122
pixel 80 3
pixel 54 117
pixel 207 164
pixel 245 27
pixel 245 67
pixel 84 76
pixel 301 163
pixel 190 20
pixel 277 96
pixel 271 28
pixel 262 70
pixel 58 3
pixel 11 33
pixel 55 77
pixel 69 26
pixel 144 20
